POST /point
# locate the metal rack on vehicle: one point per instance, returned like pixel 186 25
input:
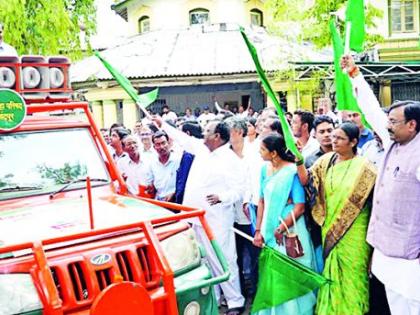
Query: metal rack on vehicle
pixel 46 285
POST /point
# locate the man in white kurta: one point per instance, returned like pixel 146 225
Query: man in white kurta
pixel 215 183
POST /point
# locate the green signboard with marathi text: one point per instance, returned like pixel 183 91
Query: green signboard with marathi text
pixel 12 109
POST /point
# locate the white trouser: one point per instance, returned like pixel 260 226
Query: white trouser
pixel 401 305
pixel 231 288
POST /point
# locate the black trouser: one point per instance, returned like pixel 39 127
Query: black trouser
pixel 243 247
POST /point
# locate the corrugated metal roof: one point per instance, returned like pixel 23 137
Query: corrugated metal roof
pixel 197 51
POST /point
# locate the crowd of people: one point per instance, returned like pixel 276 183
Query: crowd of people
pixel 353 201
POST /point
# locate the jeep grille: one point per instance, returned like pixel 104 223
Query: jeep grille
pixel 84 281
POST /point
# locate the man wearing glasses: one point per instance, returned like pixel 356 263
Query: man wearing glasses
pixel 146 149
pixel 394 228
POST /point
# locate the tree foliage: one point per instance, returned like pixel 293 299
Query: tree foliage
pixel 312 20
pixel 47 27
pixel 64 174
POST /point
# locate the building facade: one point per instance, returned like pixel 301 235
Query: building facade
pixel 148 15
pixel 400 28
pixel 193 51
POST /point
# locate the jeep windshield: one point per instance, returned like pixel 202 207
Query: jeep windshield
pixel 34 163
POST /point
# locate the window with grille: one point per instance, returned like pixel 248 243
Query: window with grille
pixel 144 24
pixel 199 16
pixel 256 17
pixel 403 16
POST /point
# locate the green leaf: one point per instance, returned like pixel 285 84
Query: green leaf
pixel 47 27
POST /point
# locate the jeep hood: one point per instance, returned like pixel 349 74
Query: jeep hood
pixel 25 221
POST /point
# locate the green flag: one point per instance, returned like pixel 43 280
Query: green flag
pixel 148 98
pixel 343 88
pixel 282 279
pixel 142 100
pixel 288 137
pixel 355 15
pixel 344 93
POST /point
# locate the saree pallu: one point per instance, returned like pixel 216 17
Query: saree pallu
pixel 343 215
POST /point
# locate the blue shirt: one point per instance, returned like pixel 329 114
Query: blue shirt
pixel 365 136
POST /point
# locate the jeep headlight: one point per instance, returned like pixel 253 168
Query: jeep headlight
pixel 182 250
pixel 18 294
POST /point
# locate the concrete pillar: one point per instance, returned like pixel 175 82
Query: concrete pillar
pixel 306 101
pixel 291 101
pixel 98 113
pixel 109 112
pixel 385 96
pixel 129 113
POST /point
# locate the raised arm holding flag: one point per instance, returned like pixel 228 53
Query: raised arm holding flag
pixel 395 260
pixel 354 39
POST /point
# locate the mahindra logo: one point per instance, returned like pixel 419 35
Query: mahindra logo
pixel 100 259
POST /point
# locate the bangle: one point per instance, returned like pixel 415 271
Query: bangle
pixel 257 230
pixel 300 162
pixel 354 71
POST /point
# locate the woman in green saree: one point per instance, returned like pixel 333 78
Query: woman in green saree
pixel 343 182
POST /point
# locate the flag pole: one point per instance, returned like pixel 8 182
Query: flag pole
pixel 347 41
pixel 145 112
pixel 244 235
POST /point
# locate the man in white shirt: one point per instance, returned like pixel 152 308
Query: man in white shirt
pixel 324 108
pixel 146 149
pixel 205 117
pixel 133 169
pixel 374 150
pixel 164 167
pixel 215 183
pixel 302 125
pixel 189 116
pixel 168 115
pixel 238 132
pixel 117 134
pixel 267 113
pixel 6 49
pixel 137 129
